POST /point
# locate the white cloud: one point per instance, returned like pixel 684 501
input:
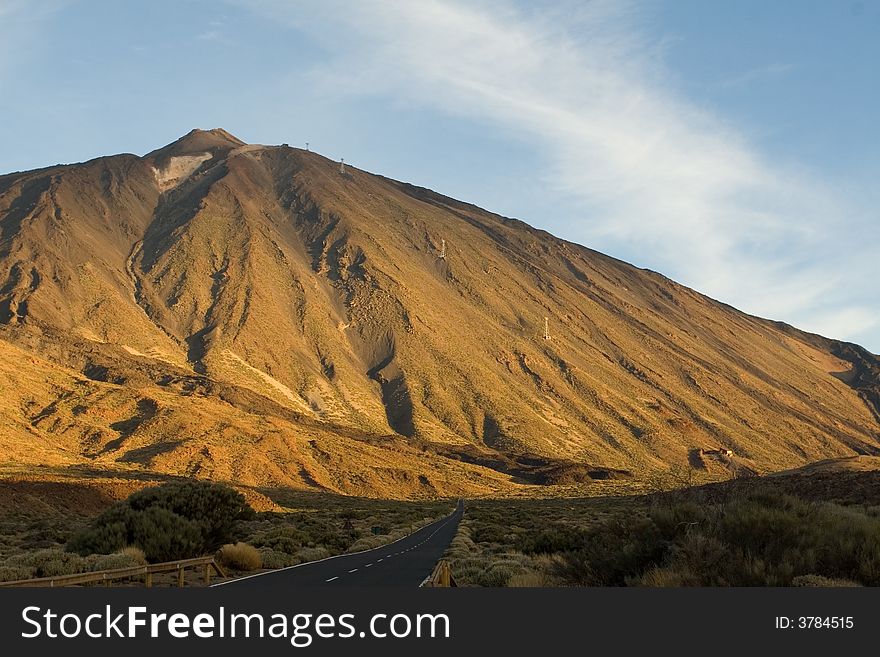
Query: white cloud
pixel 653 172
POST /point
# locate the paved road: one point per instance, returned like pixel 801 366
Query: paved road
pixel 406 562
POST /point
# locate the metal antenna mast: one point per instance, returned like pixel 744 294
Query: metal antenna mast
pixel 341 165
pixel 307 145
pixel 546 328
pixel 442 249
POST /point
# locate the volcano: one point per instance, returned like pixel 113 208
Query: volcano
pixel 260 315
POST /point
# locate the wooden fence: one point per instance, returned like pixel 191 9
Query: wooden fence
pixel 441 575
pixel 105 577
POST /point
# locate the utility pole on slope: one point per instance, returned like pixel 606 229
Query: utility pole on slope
pixel 442 249
pixel 546 328
pixel 342 165
pixel 307 145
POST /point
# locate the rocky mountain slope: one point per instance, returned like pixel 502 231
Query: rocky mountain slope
pixel 253 313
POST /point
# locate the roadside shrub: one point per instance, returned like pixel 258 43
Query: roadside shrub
pixel 499 574
pixel 763 539
pixel 699 560
pixel 111 561
pixel 240 556
pixel 819 580
pixel 673 520
pixel 312 554
pixel 368 543
pixel 560 538
pixel 666 577
pixel 173 521
pixel 490 533
pixel 216 509
pixel 462 544
pixel 612 553
pixel 468 570
pixel 52 563
pixel 13 573
pixel 107 533
pixel 280 539
pixel 530 579
pixel 134 553
pixel 274 559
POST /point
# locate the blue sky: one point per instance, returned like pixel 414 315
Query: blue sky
pixel 733 146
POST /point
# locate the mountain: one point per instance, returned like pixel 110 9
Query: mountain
pixel 256 314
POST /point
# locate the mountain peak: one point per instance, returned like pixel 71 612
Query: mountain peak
pixel 267 319
pixel 199 141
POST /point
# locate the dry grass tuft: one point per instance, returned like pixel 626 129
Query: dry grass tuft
pixel 135 554
pixel 240 556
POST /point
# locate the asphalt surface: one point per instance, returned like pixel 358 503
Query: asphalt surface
pixel 406 562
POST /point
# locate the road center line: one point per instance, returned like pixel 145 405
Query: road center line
pixel 353 570
pixel 331 579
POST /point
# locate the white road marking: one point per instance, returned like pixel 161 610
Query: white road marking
pixel 368 565
pixel 331 579
pixel 353 570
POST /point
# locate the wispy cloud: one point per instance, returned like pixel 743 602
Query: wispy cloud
pixel 653 172
pixel 761 73
pixel 215 30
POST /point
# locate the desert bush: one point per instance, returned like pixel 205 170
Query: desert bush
pixel 819 580
pixel 467 573
pixel 530 579
pixel 135 554
pixel 698 559
pixel 275 559
pixel 160 533
pixel 665 577
pixel 560 538
pixel 111 561
pixel 499 573
pixel 53 563
pixel 461 545
pixel 672 520
pixel 216 509
pixel 467 570
pixel 280 539
pixel 12 573
pixel 762 539
pixel 331 538
pixel 368 543
pixel 107 533
pixel 490 533
pixel 613 552
pixel 312 554
pixel 240 556
pixel 168 522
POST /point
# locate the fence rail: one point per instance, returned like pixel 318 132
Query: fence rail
pixel 107 576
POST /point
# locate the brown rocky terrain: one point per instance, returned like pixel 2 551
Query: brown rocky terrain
pixel 252 314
